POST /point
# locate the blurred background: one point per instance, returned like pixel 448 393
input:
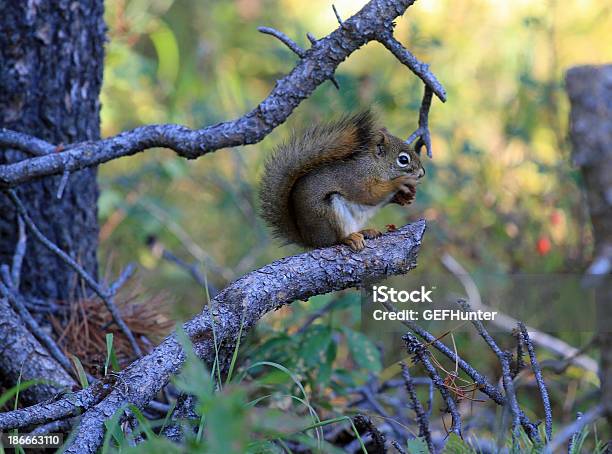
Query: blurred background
pixel 500 194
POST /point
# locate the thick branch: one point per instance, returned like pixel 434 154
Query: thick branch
pixel 24 142
pixel 248 299
pixel 373 22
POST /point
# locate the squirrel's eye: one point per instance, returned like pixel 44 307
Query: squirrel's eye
pixel 380 149
pixel 403 159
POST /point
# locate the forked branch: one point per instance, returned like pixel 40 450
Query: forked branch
pixel 374 22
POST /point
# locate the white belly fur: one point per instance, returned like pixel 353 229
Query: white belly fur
pixel 352 216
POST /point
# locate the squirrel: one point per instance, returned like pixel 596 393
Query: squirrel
pixel 321 187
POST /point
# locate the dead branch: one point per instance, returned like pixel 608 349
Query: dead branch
pixel 21 354
pixel 537 372
pixel 504 321
pixel 421 416
pixel 54 410
pixel 482 383
pixel 421 355
pixel 374 22
pixel 518 416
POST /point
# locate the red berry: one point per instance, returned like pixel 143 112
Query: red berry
pixel 543 245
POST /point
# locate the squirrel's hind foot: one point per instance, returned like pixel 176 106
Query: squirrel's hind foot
pixel 356 241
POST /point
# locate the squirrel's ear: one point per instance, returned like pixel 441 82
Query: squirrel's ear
pixel 381 136
pixel 381 140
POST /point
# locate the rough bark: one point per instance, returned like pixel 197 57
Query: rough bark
pixel 590 93
pixel 23 359
pixel 51 60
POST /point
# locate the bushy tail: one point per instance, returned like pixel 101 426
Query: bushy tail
pixel 317 146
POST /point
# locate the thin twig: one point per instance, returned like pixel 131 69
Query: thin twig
pixel 363 424
pixel 422 132
pixel 62 184
pixel 421 355
pixel 192 269
pixel 519 365
pixel 338 18
pixel 397 446
pixel 284 39
pixel 575 435
pixel 292 45
pixel 122 279
pixel 537 371
pixel 20 250
pixel 103 294
pixel 421 416
pixel 504 359
pixel 420 69
pixel 484 385
pixel 186 241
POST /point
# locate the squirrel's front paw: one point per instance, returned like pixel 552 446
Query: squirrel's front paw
pixel 403 198
pixel 370 234
pixel 356 241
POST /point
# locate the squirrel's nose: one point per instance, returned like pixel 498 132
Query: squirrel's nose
pixel 421 173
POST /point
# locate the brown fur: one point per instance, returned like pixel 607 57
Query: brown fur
pixel 353 160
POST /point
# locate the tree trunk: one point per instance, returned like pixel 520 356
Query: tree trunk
pixel 51 61
pixel 590 92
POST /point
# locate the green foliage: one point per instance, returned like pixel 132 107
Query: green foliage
pixel 417 446
pixel 228 420
pixel 84 382
pixel 13 392
pixel 111 357
pixel 363 350
pixel 455 445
